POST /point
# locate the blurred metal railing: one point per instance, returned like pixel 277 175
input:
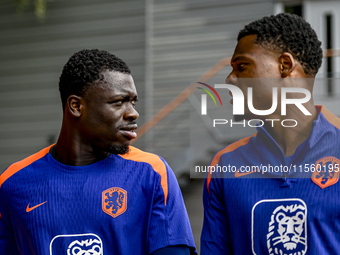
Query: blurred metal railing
pixel 167 109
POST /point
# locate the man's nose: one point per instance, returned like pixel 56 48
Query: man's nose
pixel 131 113
pixel 231 79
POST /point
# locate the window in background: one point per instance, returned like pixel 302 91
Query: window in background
pixel 329 46
pixel 293 9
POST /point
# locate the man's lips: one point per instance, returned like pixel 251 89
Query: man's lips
pixel 129 131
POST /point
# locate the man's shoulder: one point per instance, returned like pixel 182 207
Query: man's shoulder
pixel 329 116
pixel 17 166
pixel 230 148
pixel 157 163
pixel 138 155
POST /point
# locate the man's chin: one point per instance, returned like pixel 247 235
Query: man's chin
pixel 119 149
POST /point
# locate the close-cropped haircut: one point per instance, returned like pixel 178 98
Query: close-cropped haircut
pixel 85 68
pixel 286 32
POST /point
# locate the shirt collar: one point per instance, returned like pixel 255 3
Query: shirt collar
pixel 324 124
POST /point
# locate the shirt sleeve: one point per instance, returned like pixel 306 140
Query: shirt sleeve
pixel 215 237
pixel 169 223
pixel 173 250
pixel 7 241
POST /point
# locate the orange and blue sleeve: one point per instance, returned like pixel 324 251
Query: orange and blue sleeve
pixel 8 244
pixel 7 241
pixel 215 237
pixel 173 250
pixel 169 223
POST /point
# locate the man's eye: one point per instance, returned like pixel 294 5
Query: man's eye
pixel 133 103
pixel 117 102
pixel 241 67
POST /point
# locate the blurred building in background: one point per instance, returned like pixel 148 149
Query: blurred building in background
pixel 168 46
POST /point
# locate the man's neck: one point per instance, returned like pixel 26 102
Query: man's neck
pixel 289 138
pixel 69 149
pixel 75 155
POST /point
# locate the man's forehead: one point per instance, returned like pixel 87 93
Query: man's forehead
pixel 245 45
pixel 246 48
pixel 116 78
pixel 113 84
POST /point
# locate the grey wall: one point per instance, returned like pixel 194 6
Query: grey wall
pixel 32 54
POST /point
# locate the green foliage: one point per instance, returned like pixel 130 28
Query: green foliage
pixel 39 10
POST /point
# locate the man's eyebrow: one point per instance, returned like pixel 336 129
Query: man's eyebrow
pixel 126 96
pixel 233 60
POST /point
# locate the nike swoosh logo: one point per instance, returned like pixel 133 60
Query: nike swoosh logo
pixel 238 174
pixel 28 208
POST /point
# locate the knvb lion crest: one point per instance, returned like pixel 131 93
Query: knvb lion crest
pixel 279 227
pixel 77 244
pixel 327 172
pixel 114 201
pixel 85 247
pixel 287 231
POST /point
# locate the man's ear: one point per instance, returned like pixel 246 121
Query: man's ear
pixel 287 64
pixel 74 105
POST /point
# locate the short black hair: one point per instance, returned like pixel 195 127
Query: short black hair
pixel 84 68
pixel 286 32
